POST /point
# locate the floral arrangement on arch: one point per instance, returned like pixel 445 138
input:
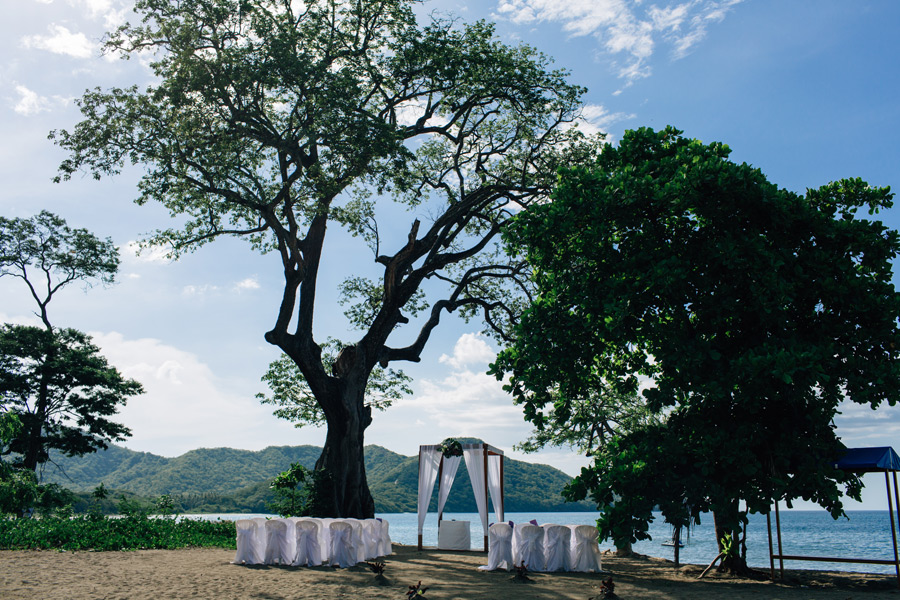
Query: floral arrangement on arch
pixel 451 447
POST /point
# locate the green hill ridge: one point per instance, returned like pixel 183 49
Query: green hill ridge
pixel 230 480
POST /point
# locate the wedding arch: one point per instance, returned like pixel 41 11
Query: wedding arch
pixel 485 466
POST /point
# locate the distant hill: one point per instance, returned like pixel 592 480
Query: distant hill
pixel 229 480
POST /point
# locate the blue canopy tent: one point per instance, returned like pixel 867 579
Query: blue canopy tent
pixel 882 459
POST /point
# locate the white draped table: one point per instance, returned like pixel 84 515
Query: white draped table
pixel 454 535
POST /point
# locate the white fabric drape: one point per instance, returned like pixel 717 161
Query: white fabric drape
pixel 494 485
pixel 475 465
pixel 429 461
pixel 448 474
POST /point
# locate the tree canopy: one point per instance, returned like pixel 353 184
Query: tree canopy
pixel 47 255
pixel 61 391
pixel 272 120
pixel 750 311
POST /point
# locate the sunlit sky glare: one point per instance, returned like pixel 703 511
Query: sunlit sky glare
pixel 805 90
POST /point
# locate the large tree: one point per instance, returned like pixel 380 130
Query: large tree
pixel 754 312
pixel 271 120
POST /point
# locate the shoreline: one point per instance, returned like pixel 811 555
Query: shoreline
pixel 209 574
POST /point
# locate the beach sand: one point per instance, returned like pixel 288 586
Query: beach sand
pixel 209 574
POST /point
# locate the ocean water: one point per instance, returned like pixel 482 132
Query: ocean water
pixel 865 534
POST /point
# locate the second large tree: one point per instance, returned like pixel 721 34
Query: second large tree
pixel 273 119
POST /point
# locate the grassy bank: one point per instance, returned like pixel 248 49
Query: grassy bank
pixel 93 532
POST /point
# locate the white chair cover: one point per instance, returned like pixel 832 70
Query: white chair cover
pixel 325 539
pixel 386 549
pixel 371 536
pixel 261 536
pixel 557 547
pixel 359 541
pixel 499 547
pixel 308 550
pixel 529 546
pixel 249 550
pixel 278 542
pixel 343 550
pixel 585 549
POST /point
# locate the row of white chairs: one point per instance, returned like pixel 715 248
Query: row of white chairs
pixel 547 547
pixel 304 541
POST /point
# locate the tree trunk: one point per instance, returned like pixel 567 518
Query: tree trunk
pixel 34 445
pixel 343 491
pixel 733 562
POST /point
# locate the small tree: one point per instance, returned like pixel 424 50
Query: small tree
pixel 753 310
pixel 62 391
pixel 294 491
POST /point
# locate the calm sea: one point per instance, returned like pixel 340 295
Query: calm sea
pixel 866 534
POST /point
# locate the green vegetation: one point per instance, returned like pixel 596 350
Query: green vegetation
pixel 752 311
pixel 133 532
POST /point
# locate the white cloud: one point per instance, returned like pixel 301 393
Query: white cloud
pixel 30 103
pixel 185 405
pixel 111 11
pixel 151 254
pixel 199 290
pixel 465 402
pixel 61 41
pixel 470 348
pixel 860 426
pixel 247 284
pixel 625 28
pixel 469 403
pixel 596 119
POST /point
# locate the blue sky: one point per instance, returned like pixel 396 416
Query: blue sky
pixel 805 90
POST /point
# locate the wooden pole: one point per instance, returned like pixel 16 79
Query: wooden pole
pixel 778 530
pixel 887 485
pixel 502 492
pixel 484 453
pixel 771 553
pixel 440 474
pixel 897 508
pixel 677 539
pixel 426 508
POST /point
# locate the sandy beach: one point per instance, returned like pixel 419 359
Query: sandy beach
pixel 209 574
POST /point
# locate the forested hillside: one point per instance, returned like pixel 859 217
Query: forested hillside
pixel 229 480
